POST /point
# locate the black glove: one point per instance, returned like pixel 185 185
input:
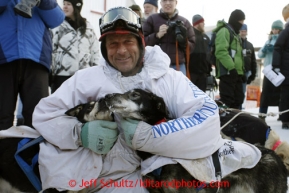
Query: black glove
pixel 251 78
pixel 181 35
pixel 233 74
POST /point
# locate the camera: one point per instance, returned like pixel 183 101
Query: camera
pixel 176 26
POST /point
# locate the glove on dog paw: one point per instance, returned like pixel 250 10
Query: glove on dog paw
pixel 99 136
pixel 234 74
pixel 129 126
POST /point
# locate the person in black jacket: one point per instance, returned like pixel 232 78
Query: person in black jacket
pixel 280 63
pixel 250 63
pixel 200 65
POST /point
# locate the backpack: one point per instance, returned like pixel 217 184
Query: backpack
pixel 212 45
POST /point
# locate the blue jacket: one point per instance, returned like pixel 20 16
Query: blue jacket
pixel 22 38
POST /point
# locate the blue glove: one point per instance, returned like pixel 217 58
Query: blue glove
pixel 99 136
pixel 129 126
pixel 270 47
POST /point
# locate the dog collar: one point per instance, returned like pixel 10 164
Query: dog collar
pixel 161 121
pixel 276 145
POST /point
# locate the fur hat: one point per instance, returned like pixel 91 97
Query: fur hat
pixel 152 2
pixel 135 8
pixel 285 12
pixel 278 24
pixel 77 4
pixel 197 19
pixel 244 27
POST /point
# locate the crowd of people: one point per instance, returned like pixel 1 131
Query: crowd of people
pixel 58 48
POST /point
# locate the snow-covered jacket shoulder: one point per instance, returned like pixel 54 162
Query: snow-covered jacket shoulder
pixel 22 38
pixel 73 51
pixel 267 55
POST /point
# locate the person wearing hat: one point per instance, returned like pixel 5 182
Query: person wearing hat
pixel 75 45
pixel 249 58
pixel 229 60
pixel 280 63
pixel 25 57
pixel 137 10
pixel 126 64
pixel 270 95
pixel 172 32
pixel 150 7
pixel 200 66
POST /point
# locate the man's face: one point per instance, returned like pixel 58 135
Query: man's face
pixel 149 9
pixel 169 6
pixel 201 27
pixel 123 53
pixel 243 33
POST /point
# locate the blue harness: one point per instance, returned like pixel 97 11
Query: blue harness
pixel 26 168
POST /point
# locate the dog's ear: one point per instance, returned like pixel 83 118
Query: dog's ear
pixel 74 111
pixel 161 105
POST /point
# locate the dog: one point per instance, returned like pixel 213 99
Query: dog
pixel 246 127
pixel 13 179
pixel 269 175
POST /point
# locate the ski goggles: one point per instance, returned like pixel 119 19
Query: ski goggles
pixel 109 19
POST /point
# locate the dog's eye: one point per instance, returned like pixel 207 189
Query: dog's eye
pixel 134 95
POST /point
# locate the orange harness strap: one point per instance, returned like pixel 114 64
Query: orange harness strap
pixel 187 59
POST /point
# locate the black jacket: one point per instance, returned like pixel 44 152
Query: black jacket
pixel 281 54
pixel 249 57
pixel 200 58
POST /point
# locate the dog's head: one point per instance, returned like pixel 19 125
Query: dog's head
pixel 91 111
pixel 138 104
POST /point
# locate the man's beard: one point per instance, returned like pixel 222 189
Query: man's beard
pixel 147 15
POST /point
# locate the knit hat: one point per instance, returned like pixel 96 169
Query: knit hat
pixel 236 16
pixel 153 2
pixel 244 27
pixel 278 24
pixel 77 4
pixel 197 19
pixel 285 12
pixel 135 8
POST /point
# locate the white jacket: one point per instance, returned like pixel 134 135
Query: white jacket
pixel 73 51
pixel 195 133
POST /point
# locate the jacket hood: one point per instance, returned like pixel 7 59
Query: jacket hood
pixel 221 24
pixel 156 65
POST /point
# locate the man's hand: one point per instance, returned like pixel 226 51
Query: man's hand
pixel 99 136
pixel 129 126
pixel 162 31
pixel 251 78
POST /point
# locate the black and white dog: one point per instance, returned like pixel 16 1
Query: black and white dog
pixel 269 175
pixel 251 129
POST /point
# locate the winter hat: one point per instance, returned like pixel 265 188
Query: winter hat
pixel 135 8
pixel 277 25
pixel 77 4
pixel 236 16
pixel 153 2
pixel 244 27
pixel 285 12
pixel 197 19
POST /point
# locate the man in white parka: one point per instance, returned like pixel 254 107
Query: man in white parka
pixel 71 152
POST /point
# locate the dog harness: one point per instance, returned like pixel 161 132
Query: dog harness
pixel 26 168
